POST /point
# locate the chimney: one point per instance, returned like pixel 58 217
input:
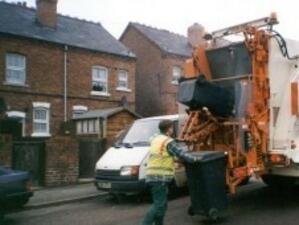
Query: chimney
pixel 196 34
pixel 46 13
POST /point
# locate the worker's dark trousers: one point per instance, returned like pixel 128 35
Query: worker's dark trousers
pixel 156 213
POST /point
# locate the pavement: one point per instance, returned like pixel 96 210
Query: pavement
pixel 44 197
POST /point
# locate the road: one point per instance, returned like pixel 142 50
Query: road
pixel 254 204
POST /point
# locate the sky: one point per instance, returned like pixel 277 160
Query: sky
pixel 178 15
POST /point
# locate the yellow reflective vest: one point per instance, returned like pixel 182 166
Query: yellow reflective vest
pixel 160 162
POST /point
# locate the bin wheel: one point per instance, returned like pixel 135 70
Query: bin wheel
pixel 213 214
pixel 191 211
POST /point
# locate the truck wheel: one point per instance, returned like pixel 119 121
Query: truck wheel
pixel 275 181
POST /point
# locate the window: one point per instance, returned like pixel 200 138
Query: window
pixel 15 69
pixel 41 119
pixel 99 80
pixel 176 74
pixel 88 126
pixel 123 83
pixel 78 110
pixel 18 116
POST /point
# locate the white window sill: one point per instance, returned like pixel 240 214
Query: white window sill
pixel 40 135
pixel 123 89
pixel 15 84
pixel 99 93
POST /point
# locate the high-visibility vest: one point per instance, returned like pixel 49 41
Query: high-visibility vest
pixel 160 162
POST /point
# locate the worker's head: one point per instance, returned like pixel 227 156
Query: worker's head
pixel 166 127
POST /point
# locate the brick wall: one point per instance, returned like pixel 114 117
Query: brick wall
pixel 5 150
pixel 169 94
pixel 62 161
pixel 148 71
pixel 155 94
pixel 45 75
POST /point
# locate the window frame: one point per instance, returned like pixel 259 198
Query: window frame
pixel 95 92
pixel 19 115
pixel 41 106
pixel 120 88
pixel 15 68
pixel 174 79
pixel 83 127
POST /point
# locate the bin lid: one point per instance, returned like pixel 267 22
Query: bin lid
pixel 206 156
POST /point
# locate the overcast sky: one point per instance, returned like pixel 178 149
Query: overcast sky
pixel 177 15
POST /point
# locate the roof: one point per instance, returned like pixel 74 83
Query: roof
pixel 104 113
pixel 166 117
pixel 21 21
pixel 167 41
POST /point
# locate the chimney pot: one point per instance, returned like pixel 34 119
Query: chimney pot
pixel 46 13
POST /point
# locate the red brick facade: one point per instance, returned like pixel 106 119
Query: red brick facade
pixel 45 83
pixel 62 164
pixel 156 92
pixel 45 79
pixel 58 76
pixel 46 12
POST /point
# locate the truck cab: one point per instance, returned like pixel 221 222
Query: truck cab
pixel 121 170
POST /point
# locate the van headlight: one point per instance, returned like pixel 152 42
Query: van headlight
pixel 129 171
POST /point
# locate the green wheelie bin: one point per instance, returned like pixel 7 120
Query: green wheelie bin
pixel 206 182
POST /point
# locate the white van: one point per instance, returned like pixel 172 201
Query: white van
pixel 121 170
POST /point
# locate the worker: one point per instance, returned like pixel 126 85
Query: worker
pixel 160 171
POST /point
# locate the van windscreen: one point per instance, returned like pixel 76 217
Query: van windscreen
pixel 141 132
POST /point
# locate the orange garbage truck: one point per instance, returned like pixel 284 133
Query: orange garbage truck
pixel 242 98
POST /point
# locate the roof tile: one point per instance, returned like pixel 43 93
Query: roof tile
pixel 169 42
pixel 21 21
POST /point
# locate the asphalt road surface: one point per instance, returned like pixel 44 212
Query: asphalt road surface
pixel 254 204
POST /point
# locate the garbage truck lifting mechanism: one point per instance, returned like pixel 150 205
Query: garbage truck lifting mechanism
pixel 243 99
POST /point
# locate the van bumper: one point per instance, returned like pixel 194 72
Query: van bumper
pixel 121 186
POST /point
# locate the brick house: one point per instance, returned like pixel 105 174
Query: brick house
pixel 160 61
pixel 54 67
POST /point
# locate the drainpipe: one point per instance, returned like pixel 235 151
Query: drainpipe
pixel 65 82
